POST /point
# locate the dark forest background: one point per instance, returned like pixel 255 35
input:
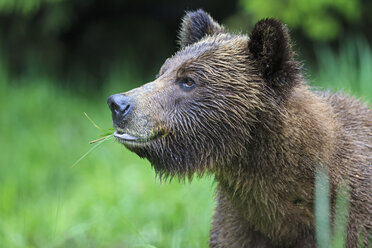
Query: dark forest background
pixel 79 42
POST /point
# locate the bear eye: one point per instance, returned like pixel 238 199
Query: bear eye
pixel 186 83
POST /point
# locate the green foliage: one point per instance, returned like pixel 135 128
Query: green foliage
pixel 347 69
pixel 109 199
pixel 318 19
pixel 322 212
pixel 341 217
pixel 322 209
pixel 23 6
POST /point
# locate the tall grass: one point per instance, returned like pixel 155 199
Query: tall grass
pixel 326 238
pixel 348 68
pixel 110 198
pixel 322 209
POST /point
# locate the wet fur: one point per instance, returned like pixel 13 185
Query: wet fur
pixel 253 122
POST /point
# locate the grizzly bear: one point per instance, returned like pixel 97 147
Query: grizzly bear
pixel 238 107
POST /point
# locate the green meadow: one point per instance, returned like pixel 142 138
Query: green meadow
pixel 111 198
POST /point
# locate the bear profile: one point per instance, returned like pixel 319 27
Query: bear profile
pixel 239 108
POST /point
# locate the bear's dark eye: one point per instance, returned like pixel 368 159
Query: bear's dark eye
pixel 186 83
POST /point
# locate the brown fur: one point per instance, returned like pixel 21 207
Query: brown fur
pixel 251 120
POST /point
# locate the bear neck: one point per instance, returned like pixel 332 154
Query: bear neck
pixel 275 178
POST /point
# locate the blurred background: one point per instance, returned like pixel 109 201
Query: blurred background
pixel 60 58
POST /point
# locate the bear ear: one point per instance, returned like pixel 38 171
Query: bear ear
pixel 271 48
pixel 196 25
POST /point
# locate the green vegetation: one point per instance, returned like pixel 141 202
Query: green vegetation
pixel 348 69
pixel 322 209
pixel 318 19
pixel 325 238
pixel 110 198
pixel 23 6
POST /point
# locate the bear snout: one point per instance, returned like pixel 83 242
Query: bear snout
pixel 120 106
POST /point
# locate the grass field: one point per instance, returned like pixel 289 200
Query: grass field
pixel 111 198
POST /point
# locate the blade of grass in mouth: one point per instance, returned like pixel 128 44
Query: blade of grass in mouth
pixel 93 148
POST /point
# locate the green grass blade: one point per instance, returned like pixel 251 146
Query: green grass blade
pixel 91 149
pixel 96 126
pixel 322 208
pixel 341 218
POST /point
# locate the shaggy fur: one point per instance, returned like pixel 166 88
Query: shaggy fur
pixel 249 118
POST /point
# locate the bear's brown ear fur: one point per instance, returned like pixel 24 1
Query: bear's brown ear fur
pixel 196 25
pixel 271 48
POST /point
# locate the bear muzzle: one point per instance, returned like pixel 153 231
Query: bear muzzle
pixel 133 118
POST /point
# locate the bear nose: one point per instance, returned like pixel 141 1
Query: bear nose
pixel 120 106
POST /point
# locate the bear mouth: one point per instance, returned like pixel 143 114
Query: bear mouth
pixel 128 139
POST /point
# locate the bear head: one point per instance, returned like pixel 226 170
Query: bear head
pixel 203 109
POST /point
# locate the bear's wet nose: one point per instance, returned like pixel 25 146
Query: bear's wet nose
pixel 120 106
